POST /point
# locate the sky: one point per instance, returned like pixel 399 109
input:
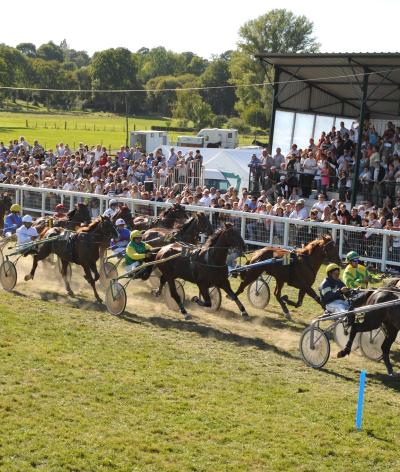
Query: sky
pixel 205 28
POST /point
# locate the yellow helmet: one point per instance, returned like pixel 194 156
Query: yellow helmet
pixel 136 234
pixel 15 207
pixel 331 267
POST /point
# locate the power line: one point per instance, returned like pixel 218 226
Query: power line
pixel 192 89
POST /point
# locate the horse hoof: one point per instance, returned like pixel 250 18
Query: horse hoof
pixel 71 293
pixel 343 353
pixel 99 300
pixel 187 317
pixel 28 277
pixel 245 316
pixel 156 292
pixel 195 299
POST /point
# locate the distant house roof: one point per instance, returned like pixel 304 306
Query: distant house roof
pixel 330 83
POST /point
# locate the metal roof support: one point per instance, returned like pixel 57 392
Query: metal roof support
pixel 380 83
pixel 363 109
pixel 277 72
pixel 292 95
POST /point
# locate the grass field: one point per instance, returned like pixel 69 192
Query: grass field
pixel 72 128
pixel 84 391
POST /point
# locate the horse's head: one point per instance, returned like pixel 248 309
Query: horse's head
pixel 176 212
pixel 330 249
pixel 230 237
pixel 203 224
pixel 82 213
pixel 125 213
pixel 107 228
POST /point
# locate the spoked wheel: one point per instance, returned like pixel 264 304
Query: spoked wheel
pixel 215 296
pixel 258 293
pixel 109 271
pixel 371 342
pixel 170 302
pixel 341 335
pixel 8 275
pixel 116 298
pixel 317 354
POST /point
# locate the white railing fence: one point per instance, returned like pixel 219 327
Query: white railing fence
pixel 380 247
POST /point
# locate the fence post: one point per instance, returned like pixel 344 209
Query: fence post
pixel 286 234
pixel 271 232
pixel 384 252
pixel 43 204
pixel 71 203
pixel 243 227
pixel 341 238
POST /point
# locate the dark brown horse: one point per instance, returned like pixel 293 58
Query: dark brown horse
pixel 206 267
pixel 388 318
pixel 81 248
pixel 125 213
pixel 168 218
pixel 301 273
pixel 5 205
pixel 187 233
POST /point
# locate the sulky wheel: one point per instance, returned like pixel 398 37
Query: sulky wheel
pixel 215 296
pixel 154 279
pixel 8 275
pixel 258 293
pixel 371 342
pixel 115 298
pixel 169 301
pixel 109 271
pixel 315 355
pixel 341 335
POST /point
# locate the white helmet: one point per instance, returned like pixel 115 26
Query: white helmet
pixel 120 221
pixel 27 219
pixel 113 202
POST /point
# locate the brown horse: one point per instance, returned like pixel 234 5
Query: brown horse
pixel 73 220
pixel 168 218
pixel 301 273
pixel 187 233
pixel 5 205
pixel 125 213
pixel 388 318
pixel 81 247
pixel 206 267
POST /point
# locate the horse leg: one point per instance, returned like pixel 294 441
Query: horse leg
pixel 177 298
pixel 64 269
pixel 163 281
pixel 277 293
pixel 311 293
pixel 249 277
pixel 387 344
pixel 43 252
pixel 206 302
pixel 226 287
pixel 89 278
pixel 93 268
pixel 373 321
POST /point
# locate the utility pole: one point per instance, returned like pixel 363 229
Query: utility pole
pixel 126 120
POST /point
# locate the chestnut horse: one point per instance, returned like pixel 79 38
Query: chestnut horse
pixel 168 218
pixel 301 272
pixel 205 267
pixel 82 248
pixel 388 318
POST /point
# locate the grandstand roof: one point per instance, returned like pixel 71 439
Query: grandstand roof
pixel 330 83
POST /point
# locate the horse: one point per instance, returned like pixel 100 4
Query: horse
pixel 259 143
pixel 387 317
pixel 187 233
pixel 125 213
pixel 74 219
pixel 168 218
pixel 5 205
pixel 301 272
pixel 81 248
pixel 206 267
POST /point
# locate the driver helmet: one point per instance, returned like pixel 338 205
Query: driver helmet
pixel 113 201
pixel 15 208
pixel 352 256
pixel 136 234
pixel 27 219
pixel 120 221
pixel 60 207
pixel 331 267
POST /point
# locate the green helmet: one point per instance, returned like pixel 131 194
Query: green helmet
pixel 352 256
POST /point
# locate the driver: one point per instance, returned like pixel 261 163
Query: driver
pixel 60 211
pixel 332 291
pixel 138 252
pixel 355 274
pixel 118 245
pixel 26 233
pixel 13 220
pixel 112 210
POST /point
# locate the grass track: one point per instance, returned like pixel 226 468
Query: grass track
pixel 84 391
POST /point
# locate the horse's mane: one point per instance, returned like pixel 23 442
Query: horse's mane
pixel 211 240
pixel 310 247
pixel 91 227
pixel 186 225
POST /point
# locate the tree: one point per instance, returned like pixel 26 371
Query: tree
pixel 50 52
pixel 190 107
pixel 278 31
pixel 27 49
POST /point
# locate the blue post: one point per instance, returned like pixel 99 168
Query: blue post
pixel 360 400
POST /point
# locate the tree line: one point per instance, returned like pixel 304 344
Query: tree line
pixel 57 66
